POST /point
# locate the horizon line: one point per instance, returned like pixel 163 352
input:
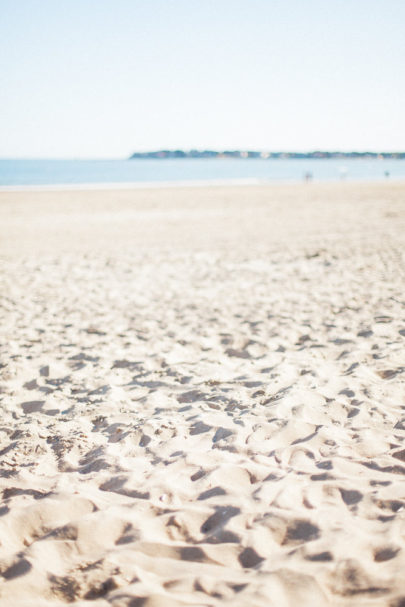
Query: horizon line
pixel 214 150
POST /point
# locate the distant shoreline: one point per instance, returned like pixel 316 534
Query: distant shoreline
pixel 246 154
pixel 138 185
pixel 214 183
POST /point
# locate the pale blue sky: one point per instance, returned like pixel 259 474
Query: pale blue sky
pixel 104 78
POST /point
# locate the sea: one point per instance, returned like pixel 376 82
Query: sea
pixel 22 173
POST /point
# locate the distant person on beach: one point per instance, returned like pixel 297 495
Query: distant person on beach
pixel 386 174
pixel 308 176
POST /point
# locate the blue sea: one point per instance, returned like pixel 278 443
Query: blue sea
pixel 75 172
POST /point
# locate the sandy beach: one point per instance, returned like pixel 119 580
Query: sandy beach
pixel 202 395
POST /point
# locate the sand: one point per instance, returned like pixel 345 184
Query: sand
pixel 202 394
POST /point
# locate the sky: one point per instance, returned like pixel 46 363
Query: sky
pixel 105 78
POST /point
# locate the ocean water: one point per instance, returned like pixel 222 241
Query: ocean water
pixel 75 172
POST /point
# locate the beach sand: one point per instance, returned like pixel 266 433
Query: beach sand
pixel 202 395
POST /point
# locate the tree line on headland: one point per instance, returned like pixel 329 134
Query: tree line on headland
pixel 165 154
